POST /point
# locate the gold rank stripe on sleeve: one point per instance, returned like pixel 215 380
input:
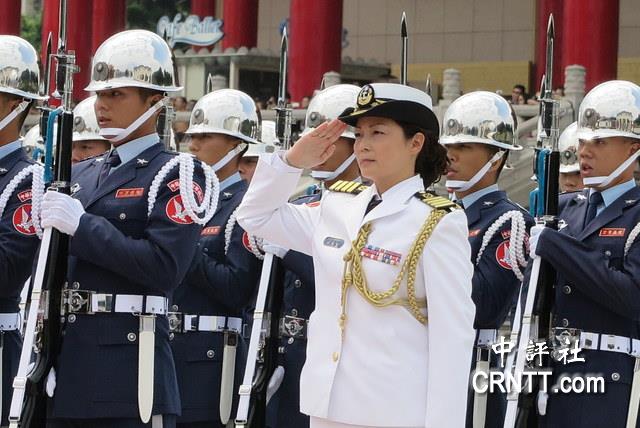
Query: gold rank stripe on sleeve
pixel 352 187
pixel 437 202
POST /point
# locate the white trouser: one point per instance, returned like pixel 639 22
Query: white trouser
pixel 325 423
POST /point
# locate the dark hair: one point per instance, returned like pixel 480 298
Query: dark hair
pixel 432 160
pixel 147 92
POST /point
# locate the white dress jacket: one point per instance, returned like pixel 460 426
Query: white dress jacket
pixel 389 370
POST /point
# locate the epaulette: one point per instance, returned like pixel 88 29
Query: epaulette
pixel 352 187
pixel 435 201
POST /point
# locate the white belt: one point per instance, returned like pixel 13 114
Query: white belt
pixel 90 302
pixel 610 343
pixel 486 337
pixel 10 321
pixel 182 323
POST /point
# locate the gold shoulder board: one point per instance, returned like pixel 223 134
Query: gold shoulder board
pixel 437 202
pixel 352 187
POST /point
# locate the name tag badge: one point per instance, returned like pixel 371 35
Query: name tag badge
pixel 474 232
pixel 612 232
pixel 135 192
pixel 333 242
pixel 210 230
pixel 381 255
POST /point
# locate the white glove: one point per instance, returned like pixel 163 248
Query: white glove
pixel 62 212
pixel 543 396
pixel 534 235
pixel 274 383
pixel 274 249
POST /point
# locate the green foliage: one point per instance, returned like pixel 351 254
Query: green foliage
pixel 31 30
pixel 144 14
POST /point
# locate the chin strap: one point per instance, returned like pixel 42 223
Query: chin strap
pixel 11 116
pixel 227 158
pixel 463 186
pixel 604 181
pixel 116 135
pixel 330 175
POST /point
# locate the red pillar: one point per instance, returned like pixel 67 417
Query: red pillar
pixel 203 8
pixel 315 44
pixel 543 9
pixel 10 22
pixel 240 23
pixel 109 18
pixel 591 38
pixel 78 39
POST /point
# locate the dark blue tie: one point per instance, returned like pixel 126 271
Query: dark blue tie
pixel 112 161
pixel 374 202
pixel 592 209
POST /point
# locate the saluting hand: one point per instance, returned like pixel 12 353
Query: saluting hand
pixel 317 146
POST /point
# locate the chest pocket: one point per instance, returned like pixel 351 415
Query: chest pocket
pixel 128 215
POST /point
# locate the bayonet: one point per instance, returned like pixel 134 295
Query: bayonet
pixel 404 37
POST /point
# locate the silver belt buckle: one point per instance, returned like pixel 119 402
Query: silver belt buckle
pixel 295 327
pixel 78 301
pixel 175 322
pixel 564 338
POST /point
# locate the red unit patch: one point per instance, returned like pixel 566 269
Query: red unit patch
pixel 175 186
pixel 246 242
pixel 135 192
pixel 612 232
pixel 22 220
pixel 176 212
pixel 502 255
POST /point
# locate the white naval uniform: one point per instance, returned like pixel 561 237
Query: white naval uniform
pixel 389 370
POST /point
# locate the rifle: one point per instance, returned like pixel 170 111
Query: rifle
pixel 404 37
pixel 536 316
pixel 263 345
pixel 43 333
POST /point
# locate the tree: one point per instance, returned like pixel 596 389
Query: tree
pixel 31 29
pixel 144 14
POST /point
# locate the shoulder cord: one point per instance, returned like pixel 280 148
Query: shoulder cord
pixel 254 242
pixel 37 192
pixel 354 275
pixel 516 240
pixel 187 193
pixel 632 237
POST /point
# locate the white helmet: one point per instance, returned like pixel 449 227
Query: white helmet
pixel 267 143
pixel 133 58
pixel 480 117
pixel 33 145
pixel 330 103
pixel 226 111
pixel 568 148
pixel 611 109
pixel 19 70
pixel 85 123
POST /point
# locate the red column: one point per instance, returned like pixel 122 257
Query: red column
pixel 10 22
pixel 543 9
pixel 78 38
pixel 315 44
pixel 203 8
pixel 240 23
pixel 109 18
pixel 591 38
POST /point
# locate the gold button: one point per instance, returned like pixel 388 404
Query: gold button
pixel 335 356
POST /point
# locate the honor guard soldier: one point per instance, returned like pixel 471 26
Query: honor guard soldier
pixel 134 217
pixel 206 316
pixel 596 256
pixel 570 179
pixel 479 130
pixel 389 341
pixel 21 189
pixel 87 141
pixel 299 286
